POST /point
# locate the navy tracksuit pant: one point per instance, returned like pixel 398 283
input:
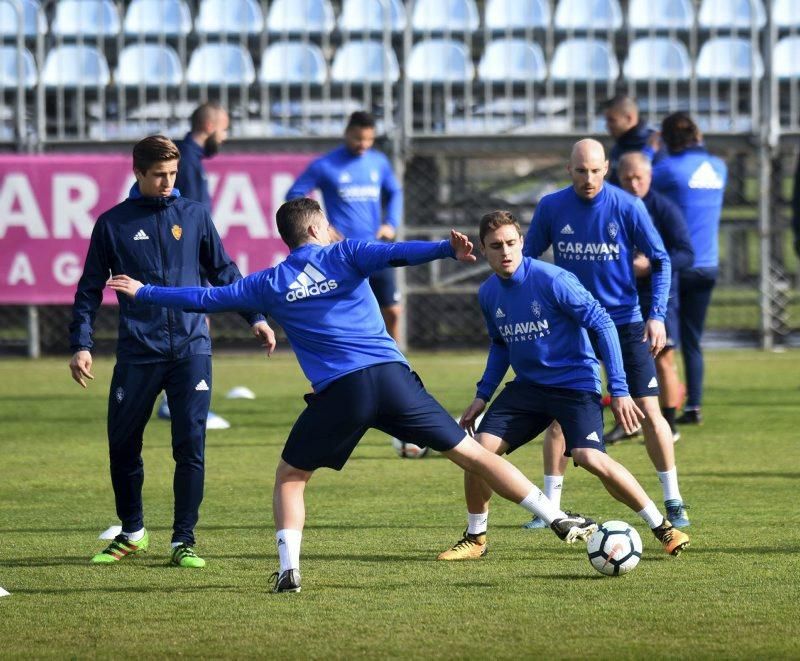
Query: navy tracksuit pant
pixel 134 389
pixel 694 291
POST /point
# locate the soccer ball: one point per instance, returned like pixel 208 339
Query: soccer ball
pixel 615 548
pixel 408 450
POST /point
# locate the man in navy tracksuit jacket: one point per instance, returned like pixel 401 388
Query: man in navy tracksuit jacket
pixel 164 239
pixel 636 175
pixel 630 133
pixel 695 180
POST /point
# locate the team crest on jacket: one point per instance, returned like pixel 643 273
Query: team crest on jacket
pixel 613 229
pixel 536 308
pixel 177 232
pixel 119 395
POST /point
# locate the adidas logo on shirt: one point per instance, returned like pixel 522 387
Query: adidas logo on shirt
pixel 653 383
pixel 310 282
pixel 706 177
pixel 140 236
pixel 593 437
pixel 202 385
pixel 499 314
pixel 567 229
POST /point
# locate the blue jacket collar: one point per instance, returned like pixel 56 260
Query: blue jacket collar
pixel 190 145
pixel 136 196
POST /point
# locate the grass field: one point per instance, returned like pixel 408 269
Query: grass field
pixel 371 588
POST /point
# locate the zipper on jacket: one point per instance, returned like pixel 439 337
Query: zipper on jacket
pixel 159 213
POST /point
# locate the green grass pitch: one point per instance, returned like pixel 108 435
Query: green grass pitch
pixel 371 586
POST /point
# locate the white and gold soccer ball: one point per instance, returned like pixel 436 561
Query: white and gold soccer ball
pixel 408 450
pixel 615 548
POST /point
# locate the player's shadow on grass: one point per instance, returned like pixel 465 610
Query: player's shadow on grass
pixel 47 562
pixel 129 590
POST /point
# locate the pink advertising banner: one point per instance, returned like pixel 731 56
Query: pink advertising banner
pixel 49 204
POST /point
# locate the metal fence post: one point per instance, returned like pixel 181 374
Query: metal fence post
pixel 34 337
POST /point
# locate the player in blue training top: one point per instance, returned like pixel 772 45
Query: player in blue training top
pixel 695 180
pixel 362 199
pixel 596 230
pixel 630 133
pixel 320 297
pixel 636 175
pixel 537 316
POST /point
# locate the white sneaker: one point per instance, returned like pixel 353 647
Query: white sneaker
pixel 214 421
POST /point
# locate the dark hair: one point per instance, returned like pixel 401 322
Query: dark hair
pixel 205 112
pixel 153 149
pixel 360 119
pixel 294 218
pixel 678 131
pixel 491 221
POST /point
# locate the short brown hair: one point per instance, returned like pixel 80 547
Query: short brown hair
pixel 153 149
pixel 294 218
pixel 205 112
pixel 491 221
pixel 679 132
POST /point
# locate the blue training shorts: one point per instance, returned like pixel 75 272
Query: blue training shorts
pixel 640 367
pixel 389 397
pixel 384 286
pixel 522 411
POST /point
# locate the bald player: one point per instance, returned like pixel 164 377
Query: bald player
pixel 593 229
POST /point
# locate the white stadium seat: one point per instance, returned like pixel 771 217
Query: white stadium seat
pixel 445 16
pixel 786 58
pixel 220 64
pixel 732 14
pixel 365 62
pixel 440 61
pixel 9 68
pixel 229 17
pixel 517 15
pixel 513 60
pixel 75 66
pixel 151 65
pixel 171 18
pixel 588 15
pixel 301 17
pixel 33 18
pixel 86 18
pixel 786 13
pixel 660 15
pixel 584 60
pixel 729 58
pixel 657 58
pixel 372 16
pixel 293 63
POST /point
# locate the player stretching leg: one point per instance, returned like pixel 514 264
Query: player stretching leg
pixel 536 314
pixel 321 298
pixel 595 231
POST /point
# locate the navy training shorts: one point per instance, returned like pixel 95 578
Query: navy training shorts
pixel 522 411
pixel 640 367
pixel 384 286
pixel 389 397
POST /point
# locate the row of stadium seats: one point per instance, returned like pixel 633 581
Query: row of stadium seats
pixel 173 18
pixel 369 62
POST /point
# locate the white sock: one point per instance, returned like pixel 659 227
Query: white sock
pixel 174 545
pixel 537 503
pixel 669 484
pixel 289 548
pixel 552 488
pixel 651 516
pixel 135 536
pixel 477 523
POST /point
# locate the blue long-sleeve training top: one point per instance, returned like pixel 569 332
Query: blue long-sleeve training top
pixel 537 321
pixel 321 298
pixel 355 189
pixel 695 180
pixel 163 240
pixel 636 138
pixel 597 240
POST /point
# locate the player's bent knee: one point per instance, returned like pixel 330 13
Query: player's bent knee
pixel 492 443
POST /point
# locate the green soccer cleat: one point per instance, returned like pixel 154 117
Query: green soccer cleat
pixel 121 547
pixel 184 556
